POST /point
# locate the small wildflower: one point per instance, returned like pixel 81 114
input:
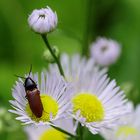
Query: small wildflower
pixel 97 102
pixel 49 133
pixel 75 67
pixel 105 51
pixel 55 94
pixel 43 21
pixel 128 129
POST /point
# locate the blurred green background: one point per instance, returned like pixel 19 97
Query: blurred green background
pixel 80 22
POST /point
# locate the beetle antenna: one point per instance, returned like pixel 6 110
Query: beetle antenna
pixel 30 70
pixel 19 76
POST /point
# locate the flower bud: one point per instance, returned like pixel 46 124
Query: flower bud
pixel 43 21
pixel 48 56
pixel 105 51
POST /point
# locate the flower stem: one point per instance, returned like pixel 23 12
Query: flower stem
pixel 63 131
pixel 80 131
pixel 45 39
pixel 87 31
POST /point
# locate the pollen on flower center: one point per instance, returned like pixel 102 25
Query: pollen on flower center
pixel 90 107
pixel 126 131
pixel 52 134
pixel 50 107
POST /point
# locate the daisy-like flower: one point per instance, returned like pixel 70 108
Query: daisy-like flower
pixel 75 67
pixel 105 51
pixel 49 133
pixel 43 21
pixel 98 102
pixel 129 129
pixel 55 96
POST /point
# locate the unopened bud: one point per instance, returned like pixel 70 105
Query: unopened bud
pixel 43 20
pixel 48 56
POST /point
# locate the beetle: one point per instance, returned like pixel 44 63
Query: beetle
pixel 33 95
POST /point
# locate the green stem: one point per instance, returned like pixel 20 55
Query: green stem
pixel 80 131
pixel 63 131
pixel 89 21
pixel 45 39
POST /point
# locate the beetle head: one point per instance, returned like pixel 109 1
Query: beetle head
pixel 29 84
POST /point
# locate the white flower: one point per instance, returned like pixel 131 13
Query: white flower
pixel 75 67
pixel 43 20
pixel 49 133
pixel 129 129
pixel 55 96
pixel 105 51
pixel 98 102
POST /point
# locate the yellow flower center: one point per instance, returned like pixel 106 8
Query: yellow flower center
pixel 126 131
pixel 52 134
pixel 90 107
pixel 50 106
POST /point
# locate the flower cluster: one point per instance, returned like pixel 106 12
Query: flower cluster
pixel 75 91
